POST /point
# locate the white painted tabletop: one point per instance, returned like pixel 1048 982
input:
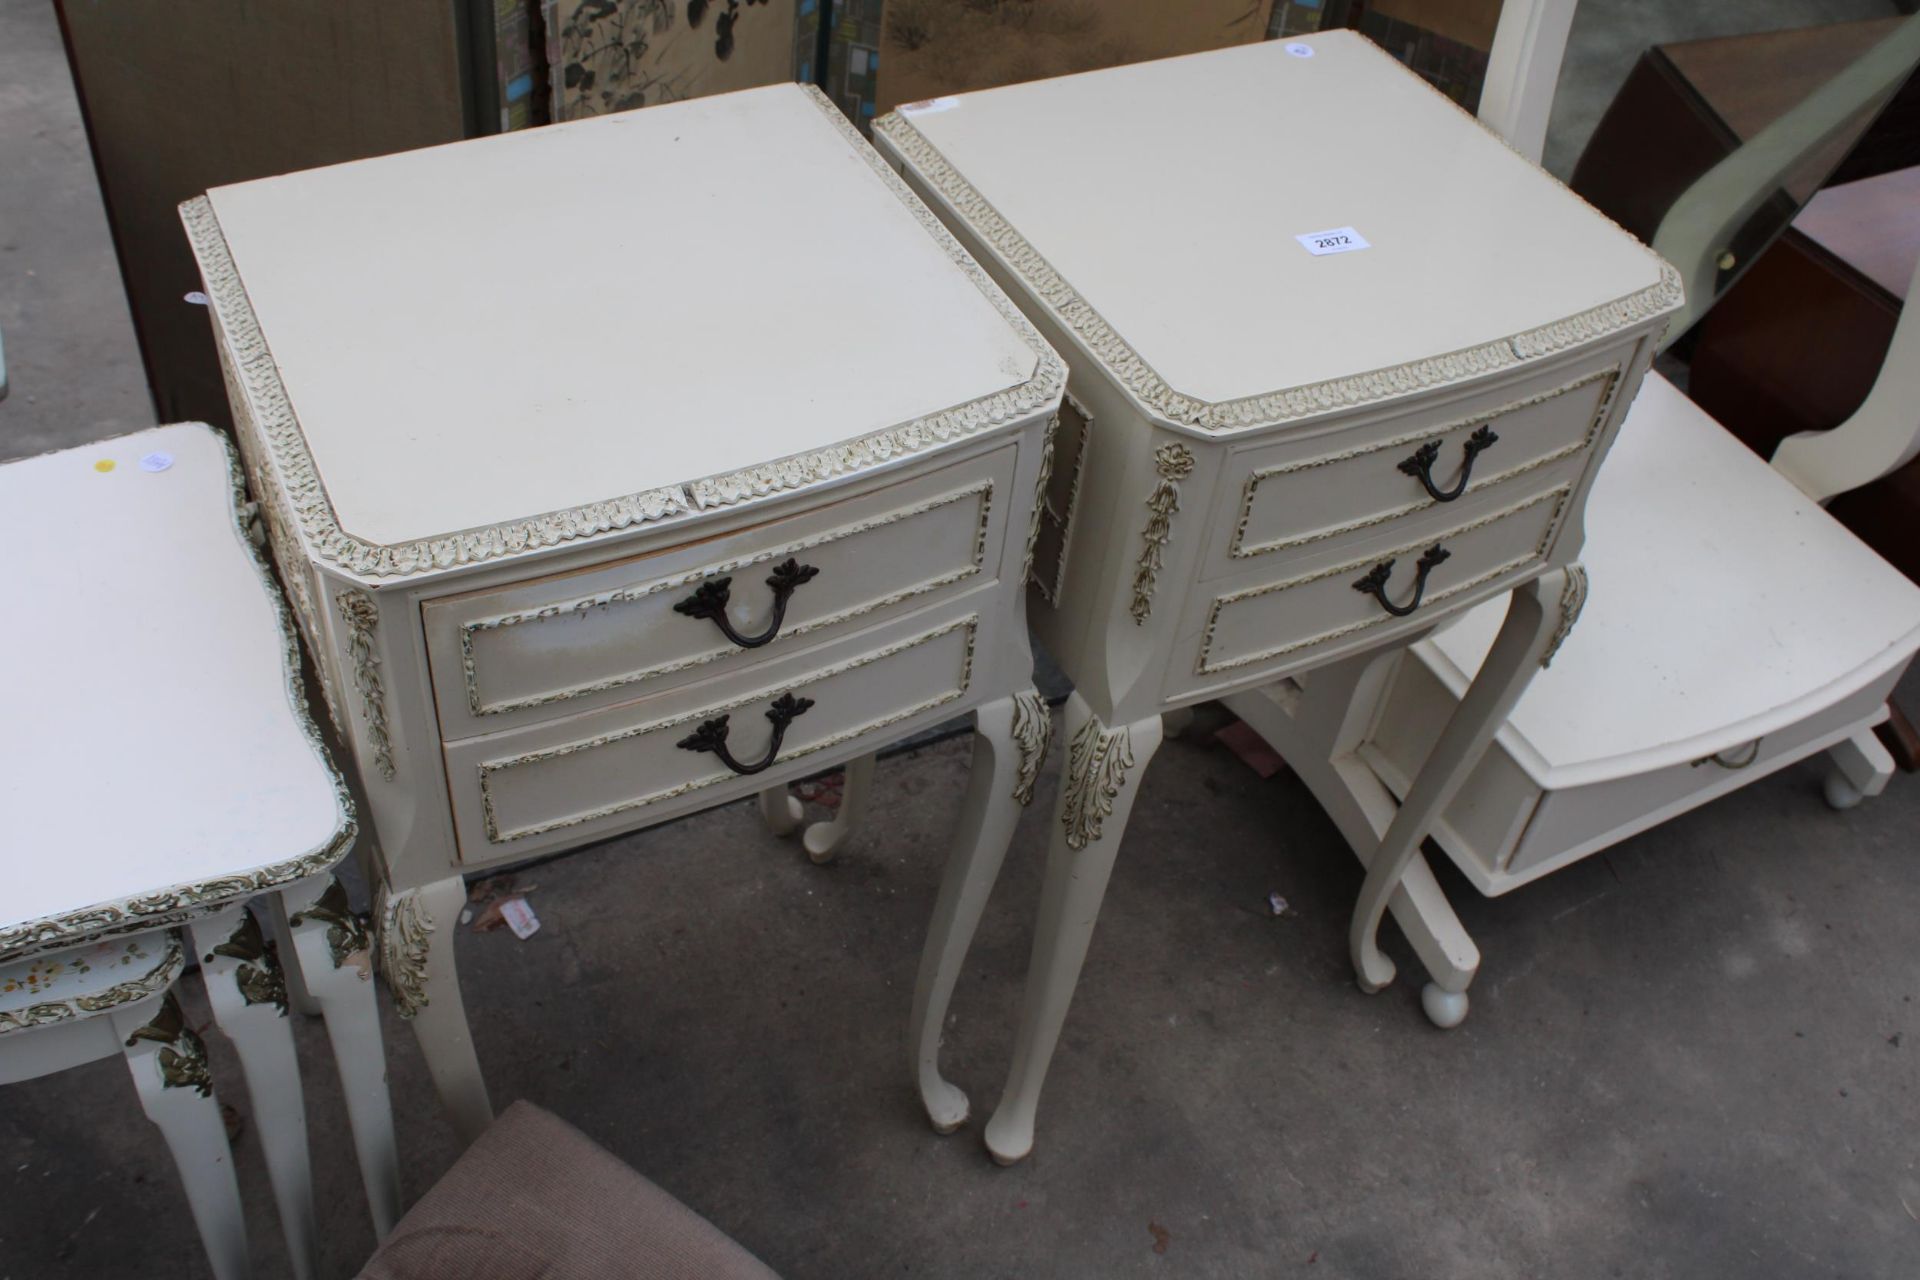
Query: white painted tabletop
pixel 148 739
pixel 495 329
pixel 1169 194
pixel 1720 598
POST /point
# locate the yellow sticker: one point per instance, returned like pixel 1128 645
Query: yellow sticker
pixel 103 466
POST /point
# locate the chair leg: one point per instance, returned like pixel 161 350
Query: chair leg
pixel 247 990
pixel 331 947
pixel 169 1068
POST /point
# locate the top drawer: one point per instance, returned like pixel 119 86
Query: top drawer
pixel 570 642
pixel 1295 494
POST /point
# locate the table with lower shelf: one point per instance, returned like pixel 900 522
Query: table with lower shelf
pixel 586 538
pixel 1274 456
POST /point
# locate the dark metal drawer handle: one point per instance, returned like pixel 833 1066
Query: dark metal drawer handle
pixel 709 600
pixel 1375 583
pixel 1420 465
pixel 712 734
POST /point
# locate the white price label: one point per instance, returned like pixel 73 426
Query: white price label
pixel 1338 240
pixel 156 462
pixel 520 918
pixel 927 106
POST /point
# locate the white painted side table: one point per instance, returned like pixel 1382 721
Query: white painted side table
pixel 158 768
pixel 625 468
pixel 1341 365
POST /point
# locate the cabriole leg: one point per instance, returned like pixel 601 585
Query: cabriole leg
pixel 169 1067
pixel 417 956
pixel 331 947
pixel 248 993
pixel 1533 617
pixel 781 811
pixel 823 839
pixel 1104 768
pixel 1009 743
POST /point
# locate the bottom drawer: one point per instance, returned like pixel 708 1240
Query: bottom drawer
pixel 1267 622
pixel 1504 828
pixel 591 775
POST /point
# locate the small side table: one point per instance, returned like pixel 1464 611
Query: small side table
pixel 159 768
pixel 1341 365
pixel 755 496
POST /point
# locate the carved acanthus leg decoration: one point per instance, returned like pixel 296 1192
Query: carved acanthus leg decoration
pixel 347 933
pixel 1097 764
pixel 1175 463
pixel 259 976
pixel 404 926
pixel 361 615
pixel 1032 733
pixel 1039 498
pixel 1573 598
pixel 183 1056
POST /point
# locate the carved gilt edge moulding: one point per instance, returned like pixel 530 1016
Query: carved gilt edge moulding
pixel 43 1013
pixel 1097 762
pixel 183 901
pixel 1180 410
pixel 401 937
pixel 1032 733
pixel 260 381
pixel 1573 598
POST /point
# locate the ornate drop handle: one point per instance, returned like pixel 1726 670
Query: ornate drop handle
pixel 709 600
pixel 1375 583
pixel 712 734
pixel 1420 465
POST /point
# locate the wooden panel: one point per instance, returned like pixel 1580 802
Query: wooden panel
pixel 180 98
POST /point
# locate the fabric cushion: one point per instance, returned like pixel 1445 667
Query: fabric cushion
pixel 536 1199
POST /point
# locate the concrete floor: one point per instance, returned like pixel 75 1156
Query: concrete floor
pixel 1691 1057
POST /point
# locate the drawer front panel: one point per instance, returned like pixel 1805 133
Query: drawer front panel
pixel 1295 494
pixel 1278 621
pixel 610 770
pixel 566 643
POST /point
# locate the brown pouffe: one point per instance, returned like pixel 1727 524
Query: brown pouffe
pixel 536 1198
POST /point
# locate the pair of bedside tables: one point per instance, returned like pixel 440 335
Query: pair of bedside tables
pixel 629 467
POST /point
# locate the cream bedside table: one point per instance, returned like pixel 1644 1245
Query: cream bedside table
pixel 624 468
pixel 1341 365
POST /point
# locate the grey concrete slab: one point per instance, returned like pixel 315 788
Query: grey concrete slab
pixel 71 360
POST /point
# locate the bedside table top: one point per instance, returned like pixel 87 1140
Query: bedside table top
pixel 156 754
pixel 627 311
pixel 1154 208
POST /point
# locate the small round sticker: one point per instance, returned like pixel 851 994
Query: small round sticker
pixel 103 466
pixel 156 462
pixel 1300 50
pixel 197 298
